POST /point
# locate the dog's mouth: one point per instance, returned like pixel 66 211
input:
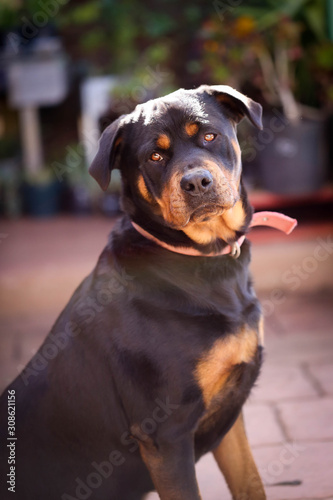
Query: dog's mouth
pixel 206 212
pixel 182 210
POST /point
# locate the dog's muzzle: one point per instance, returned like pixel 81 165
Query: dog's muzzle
pixel 197 183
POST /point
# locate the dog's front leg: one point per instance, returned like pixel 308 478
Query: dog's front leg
pixel 235 460
pixel 171 466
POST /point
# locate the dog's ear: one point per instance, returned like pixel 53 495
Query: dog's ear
pixel 107 156
pixel 238 105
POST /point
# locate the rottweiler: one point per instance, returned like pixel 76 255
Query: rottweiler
pixel 149 365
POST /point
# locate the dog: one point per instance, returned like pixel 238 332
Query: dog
pixel 149 365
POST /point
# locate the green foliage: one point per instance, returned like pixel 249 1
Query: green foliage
pixel 9 147
pixel 93 40
pixel 85 13
pixel 132 33
pixel 201 41
pixel 12 11
pixel 280 46
pixel 323 56
pixel 8 16
pixel 42 178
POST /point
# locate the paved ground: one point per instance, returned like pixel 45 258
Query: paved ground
pixel 289 415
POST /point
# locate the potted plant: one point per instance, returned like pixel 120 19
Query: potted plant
pixel 81 192
pixel 41 193
pixel 291 154
pixel 282 49
pixel 9 176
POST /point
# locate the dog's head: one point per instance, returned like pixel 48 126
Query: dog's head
pixel 181 163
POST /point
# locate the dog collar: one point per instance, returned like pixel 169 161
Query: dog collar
pixel 275 220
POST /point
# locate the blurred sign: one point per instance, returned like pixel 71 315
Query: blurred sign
pixel 37 81
pixel 95 100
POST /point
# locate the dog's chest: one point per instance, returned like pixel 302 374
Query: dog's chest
pixel 217 364
pixel 225 375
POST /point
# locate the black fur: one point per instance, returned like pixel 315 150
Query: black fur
pixel 122 354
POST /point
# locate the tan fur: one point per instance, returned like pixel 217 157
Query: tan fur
pixel 222 226
pixel 261 335
pixel 207 232
pixel 118 141
pixel 222 98
pixel 215 367
pixel 172 202
pixel 234 218
pixel 175 209
pixel 235 460
pixel 225 99
pixel 236 149
pixel 143 189
pixel 163 141
pixel 191 129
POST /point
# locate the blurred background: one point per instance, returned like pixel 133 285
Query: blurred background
pixel 68 68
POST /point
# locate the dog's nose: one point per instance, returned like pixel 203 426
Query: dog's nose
pixel 197 183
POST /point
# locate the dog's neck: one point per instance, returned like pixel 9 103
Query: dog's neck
pixel 205 238
pixel 271 219
pixel 225 238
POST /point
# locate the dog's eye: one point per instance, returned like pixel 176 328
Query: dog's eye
pixel 209 137
pixel 156 157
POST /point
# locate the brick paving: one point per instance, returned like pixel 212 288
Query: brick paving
pixel 289 415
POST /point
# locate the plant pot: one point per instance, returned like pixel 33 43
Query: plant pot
pixel 41 200
pixel 80 199
pixel 292 158
pixel 10 181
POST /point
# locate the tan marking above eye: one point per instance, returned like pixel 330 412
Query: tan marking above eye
pixel 163 141
pixel 209 137
pixel 191 129
pixel 156 157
